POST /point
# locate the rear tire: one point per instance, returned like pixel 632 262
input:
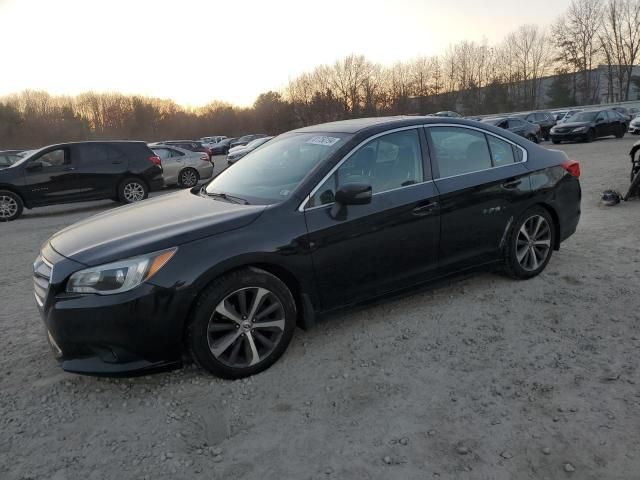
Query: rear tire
pixel 188 178
pixel 132 190
pixel 225 336
pixel 11 206
pixel 530 244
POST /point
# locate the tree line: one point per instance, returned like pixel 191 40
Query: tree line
pixel 470 76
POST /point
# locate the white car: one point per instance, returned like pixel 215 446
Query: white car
pixel 210 141
pixel 182 167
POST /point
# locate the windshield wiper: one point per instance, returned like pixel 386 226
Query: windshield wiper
pixel 227 197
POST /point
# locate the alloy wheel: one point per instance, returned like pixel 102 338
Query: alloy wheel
pixel 188 178
pixel 8 207
pixel 533 243
pixel 246 327
pixel 133 192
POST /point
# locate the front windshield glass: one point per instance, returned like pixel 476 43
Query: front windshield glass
pixel 584 117
pixel 271 173
pixel 26 156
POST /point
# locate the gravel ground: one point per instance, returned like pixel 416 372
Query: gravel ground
pixel 482 378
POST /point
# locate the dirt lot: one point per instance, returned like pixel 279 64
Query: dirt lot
pixel 484 378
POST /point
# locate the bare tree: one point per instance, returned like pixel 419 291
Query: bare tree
pixel 576 37
pixel 620 40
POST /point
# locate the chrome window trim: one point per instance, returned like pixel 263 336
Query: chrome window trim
pixel 347 156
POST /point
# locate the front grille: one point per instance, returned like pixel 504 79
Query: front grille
pixel 41 277
pixel 562 130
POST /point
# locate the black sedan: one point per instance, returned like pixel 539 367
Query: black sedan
pixel 317 219
pixel 222 147
pixel 545 120
pixel 589 125
pixel 525 129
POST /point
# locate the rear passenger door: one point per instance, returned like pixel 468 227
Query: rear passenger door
pixel 100 168
pixel 482 184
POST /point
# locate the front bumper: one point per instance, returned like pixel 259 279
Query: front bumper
pixel 568 137
pixel 132 332
pixel 634 129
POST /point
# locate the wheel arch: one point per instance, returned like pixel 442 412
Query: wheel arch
pixel 304 306
pixel 556 221
pixel 13 189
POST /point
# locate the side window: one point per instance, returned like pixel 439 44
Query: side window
pixel 55 158
pixel 501 151
pixel 163 153
pixel 388 162
pixel 91 154
pixel 600 117
pixel 514 123
pixel 175 153
pixel 459 150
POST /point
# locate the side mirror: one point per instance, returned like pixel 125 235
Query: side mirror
pixel 354 194
pixel 35 166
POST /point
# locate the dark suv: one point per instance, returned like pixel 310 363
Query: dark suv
pixel 80 171
pixel 544 119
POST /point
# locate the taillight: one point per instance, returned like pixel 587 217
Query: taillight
pixel 155 160
pixel 573 167
pixel 204 157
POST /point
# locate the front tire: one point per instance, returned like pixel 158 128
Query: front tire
pixel 621 131
pixel 132 190
pixel 530 244
pixel 11 206
pixel 590 136
pixel 188 178
pixel 242 323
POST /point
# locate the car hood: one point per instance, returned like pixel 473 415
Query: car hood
pixel 163 222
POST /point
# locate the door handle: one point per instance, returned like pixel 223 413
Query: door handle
pixel 427 209
pixel 509 185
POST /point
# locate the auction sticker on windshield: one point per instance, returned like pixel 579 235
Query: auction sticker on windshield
pixel 322 140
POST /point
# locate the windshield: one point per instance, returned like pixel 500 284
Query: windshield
pixel 271 173
pixel 584 117
pixel 26 156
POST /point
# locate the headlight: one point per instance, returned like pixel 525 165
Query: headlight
pixel 120 276
pixel 579 129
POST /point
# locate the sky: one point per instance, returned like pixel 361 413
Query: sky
pixel 196 51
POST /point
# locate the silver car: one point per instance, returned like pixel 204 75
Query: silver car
pixel 182 167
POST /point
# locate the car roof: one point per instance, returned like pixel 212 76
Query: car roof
pixel 370 123
pixel 89 142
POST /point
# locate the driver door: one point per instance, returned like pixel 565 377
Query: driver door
pixel 51 177
pixel 360 251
